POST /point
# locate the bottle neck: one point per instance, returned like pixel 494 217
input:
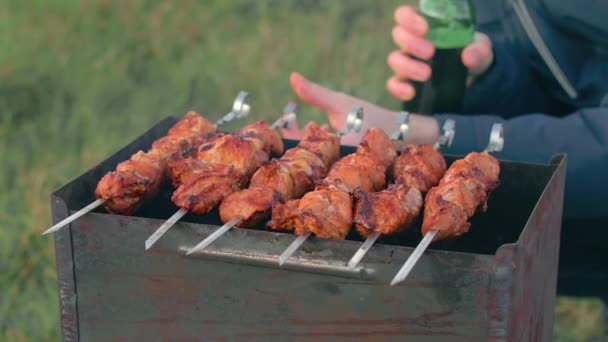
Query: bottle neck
pixel 451 22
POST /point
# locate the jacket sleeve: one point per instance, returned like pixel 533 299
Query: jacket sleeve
pixel 509 87
pixel 582 135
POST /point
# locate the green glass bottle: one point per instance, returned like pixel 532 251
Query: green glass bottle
pixel 451 28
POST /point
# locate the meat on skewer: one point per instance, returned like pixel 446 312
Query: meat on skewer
pixel 396 208
pixel 282 179
pixel 228 161
pixel 286 178
pixel 392 210
pixel 135 180
pixel 327 211
pixel 462 191
pixel 388 211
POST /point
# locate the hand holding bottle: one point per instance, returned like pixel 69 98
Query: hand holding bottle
pixel 410 34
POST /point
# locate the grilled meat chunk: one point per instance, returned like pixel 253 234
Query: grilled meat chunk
pixel 378 145
pixel 139 178
pixel 355 171
pixel 133 181
pixel 208 188
pixel 286 178
pixel 271 140
pixel 419 166
pixel 324 144
pixel 388 211
pixel 463 191
pixel 252 204
pixel 326 213
pixel 192 124
pixel 243 154
pixel 299 160
pixel 181 170
pixel 328 210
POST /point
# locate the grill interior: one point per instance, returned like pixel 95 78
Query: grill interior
pixel 508 208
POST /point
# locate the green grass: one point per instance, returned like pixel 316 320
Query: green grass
pixel 80 79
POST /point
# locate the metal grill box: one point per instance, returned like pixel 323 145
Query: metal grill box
pixel 497 282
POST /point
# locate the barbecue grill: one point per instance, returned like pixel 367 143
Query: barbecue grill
pixel 497 282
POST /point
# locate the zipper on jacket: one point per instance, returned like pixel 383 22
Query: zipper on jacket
pixel 541 47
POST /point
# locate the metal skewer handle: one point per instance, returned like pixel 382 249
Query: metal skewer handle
pixel 240 109
pixel 403 121
pixel 354 121
pixel 449 131
pixel 495 145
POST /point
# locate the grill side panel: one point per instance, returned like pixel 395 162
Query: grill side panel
pixel 126 293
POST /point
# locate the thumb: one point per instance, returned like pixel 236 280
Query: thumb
pixel 478 56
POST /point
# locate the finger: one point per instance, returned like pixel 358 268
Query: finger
pixel 412 44
pixel 400 89
pixel 407 18
pixel 408 68
pixel 292 133
pixel 337 104
pixel 478 56
pixel 331 102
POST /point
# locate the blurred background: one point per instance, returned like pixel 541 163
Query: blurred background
pixel 80 79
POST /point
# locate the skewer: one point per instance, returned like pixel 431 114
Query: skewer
pixel 495 145
pixel 445 140
pixel 288 117
pixel 297 243
pixel 240 109
pixel 353 123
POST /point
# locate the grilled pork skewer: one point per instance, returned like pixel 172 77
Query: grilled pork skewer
pixel 228 163
pixel 285 178
pixel 463 190
pixel 394 209
pixel 136 180
pixel 289 177
pixel 258 137
pixel 327 211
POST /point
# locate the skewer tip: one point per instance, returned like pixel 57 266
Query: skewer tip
pixel 395 281
pixel 282 260
pixel 165 227
pixel 352 264
pixel 215 235
pixel 365 247
pixel 74 216
pixel 48 231
pixel 414 257
pixel 293 248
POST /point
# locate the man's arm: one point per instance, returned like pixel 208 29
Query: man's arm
pixel 583 135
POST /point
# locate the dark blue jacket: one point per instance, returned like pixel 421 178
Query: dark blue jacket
pixel 546 107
